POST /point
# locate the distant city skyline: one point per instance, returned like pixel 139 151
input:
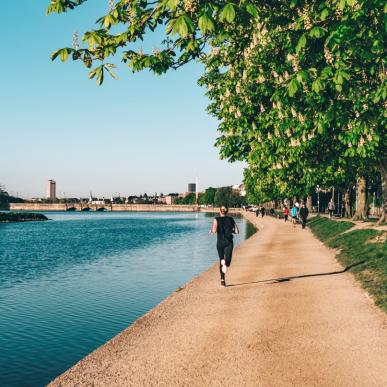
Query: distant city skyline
pixel 51 191
pixel 141 133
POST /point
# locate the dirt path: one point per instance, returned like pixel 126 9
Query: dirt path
pixel 319 330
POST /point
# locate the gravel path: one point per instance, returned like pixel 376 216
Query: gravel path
pixel 264 329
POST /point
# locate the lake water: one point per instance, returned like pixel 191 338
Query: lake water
pixel 70 284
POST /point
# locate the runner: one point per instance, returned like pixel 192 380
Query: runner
pixel 294 212
pixel 286 213
pixel 263 211
pixel 224 226
pixel 304 212
pixel 331 208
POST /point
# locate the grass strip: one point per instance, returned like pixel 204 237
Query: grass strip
pixel 355 246
pixel 20 217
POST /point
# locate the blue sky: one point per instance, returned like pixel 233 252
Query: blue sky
pixel 142 133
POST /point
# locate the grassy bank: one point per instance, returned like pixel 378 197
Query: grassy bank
pixel 21 217
pixel 356 246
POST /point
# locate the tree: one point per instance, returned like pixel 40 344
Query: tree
pixel 189 199
pixel 304 103
pixel 209 196
pixel 222 196
pixel 5 198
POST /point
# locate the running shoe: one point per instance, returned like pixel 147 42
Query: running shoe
pixel 224 267
pixel 223 282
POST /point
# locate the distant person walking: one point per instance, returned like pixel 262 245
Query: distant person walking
pixel 224 226
pixel 294 212
pixel 303 214
pixel 331 208
pixel 286 213
pixel 263 211
pixel 257 212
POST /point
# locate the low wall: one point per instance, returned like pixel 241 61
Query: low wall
pixel 106 207
pixel 113 207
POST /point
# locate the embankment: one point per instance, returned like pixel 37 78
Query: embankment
pixel 99 207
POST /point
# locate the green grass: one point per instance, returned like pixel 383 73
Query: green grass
pixel 324 228
pixel 356 246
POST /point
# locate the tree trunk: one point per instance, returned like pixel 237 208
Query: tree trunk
pixel 309 204
pixel 383 173
pixel 361 199
pixel 347 203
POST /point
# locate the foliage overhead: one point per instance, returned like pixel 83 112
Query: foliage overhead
pixel 298 87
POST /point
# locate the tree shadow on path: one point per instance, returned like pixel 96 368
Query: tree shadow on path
pixel 287 279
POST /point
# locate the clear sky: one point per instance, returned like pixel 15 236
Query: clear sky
pixel 142 133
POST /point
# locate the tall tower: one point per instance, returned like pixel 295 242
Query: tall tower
pixel 51 190
pixel 191 187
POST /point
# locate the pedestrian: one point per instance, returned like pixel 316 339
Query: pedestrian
pixel 294 212
pixel 303 213
pixel 224 226
pixel 263 211
pixel 286 213
pixel 272 212
pixel 257 212
pixel 331 208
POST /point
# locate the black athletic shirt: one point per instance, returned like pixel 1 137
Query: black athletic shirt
pixel 226 226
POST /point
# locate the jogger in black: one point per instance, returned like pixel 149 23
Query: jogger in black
pixel 225 227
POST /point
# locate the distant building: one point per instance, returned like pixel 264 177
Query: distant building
pixel 51 190
pixel 171 198
pixel 191 188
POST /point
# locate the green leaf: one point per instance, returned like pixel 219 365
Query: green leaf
pixel 293 87
pixel 107 21
pixel 206 24
pixel 55 54
pixel 110 66
pixel 172 4
pixel 301 43
pixel 317 86
pixel 64 54
pixel 92 73
pixel 317 32
pixel 252 10
pixel 100 75
pixel 345 75
pixel 324 14
pixel 228 13
pixel 182 26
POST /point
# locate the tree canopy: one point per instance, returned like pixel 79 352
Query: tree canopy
pixel 298 87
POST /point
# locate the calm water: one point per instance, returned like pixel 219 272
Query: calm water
pixel 70 284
